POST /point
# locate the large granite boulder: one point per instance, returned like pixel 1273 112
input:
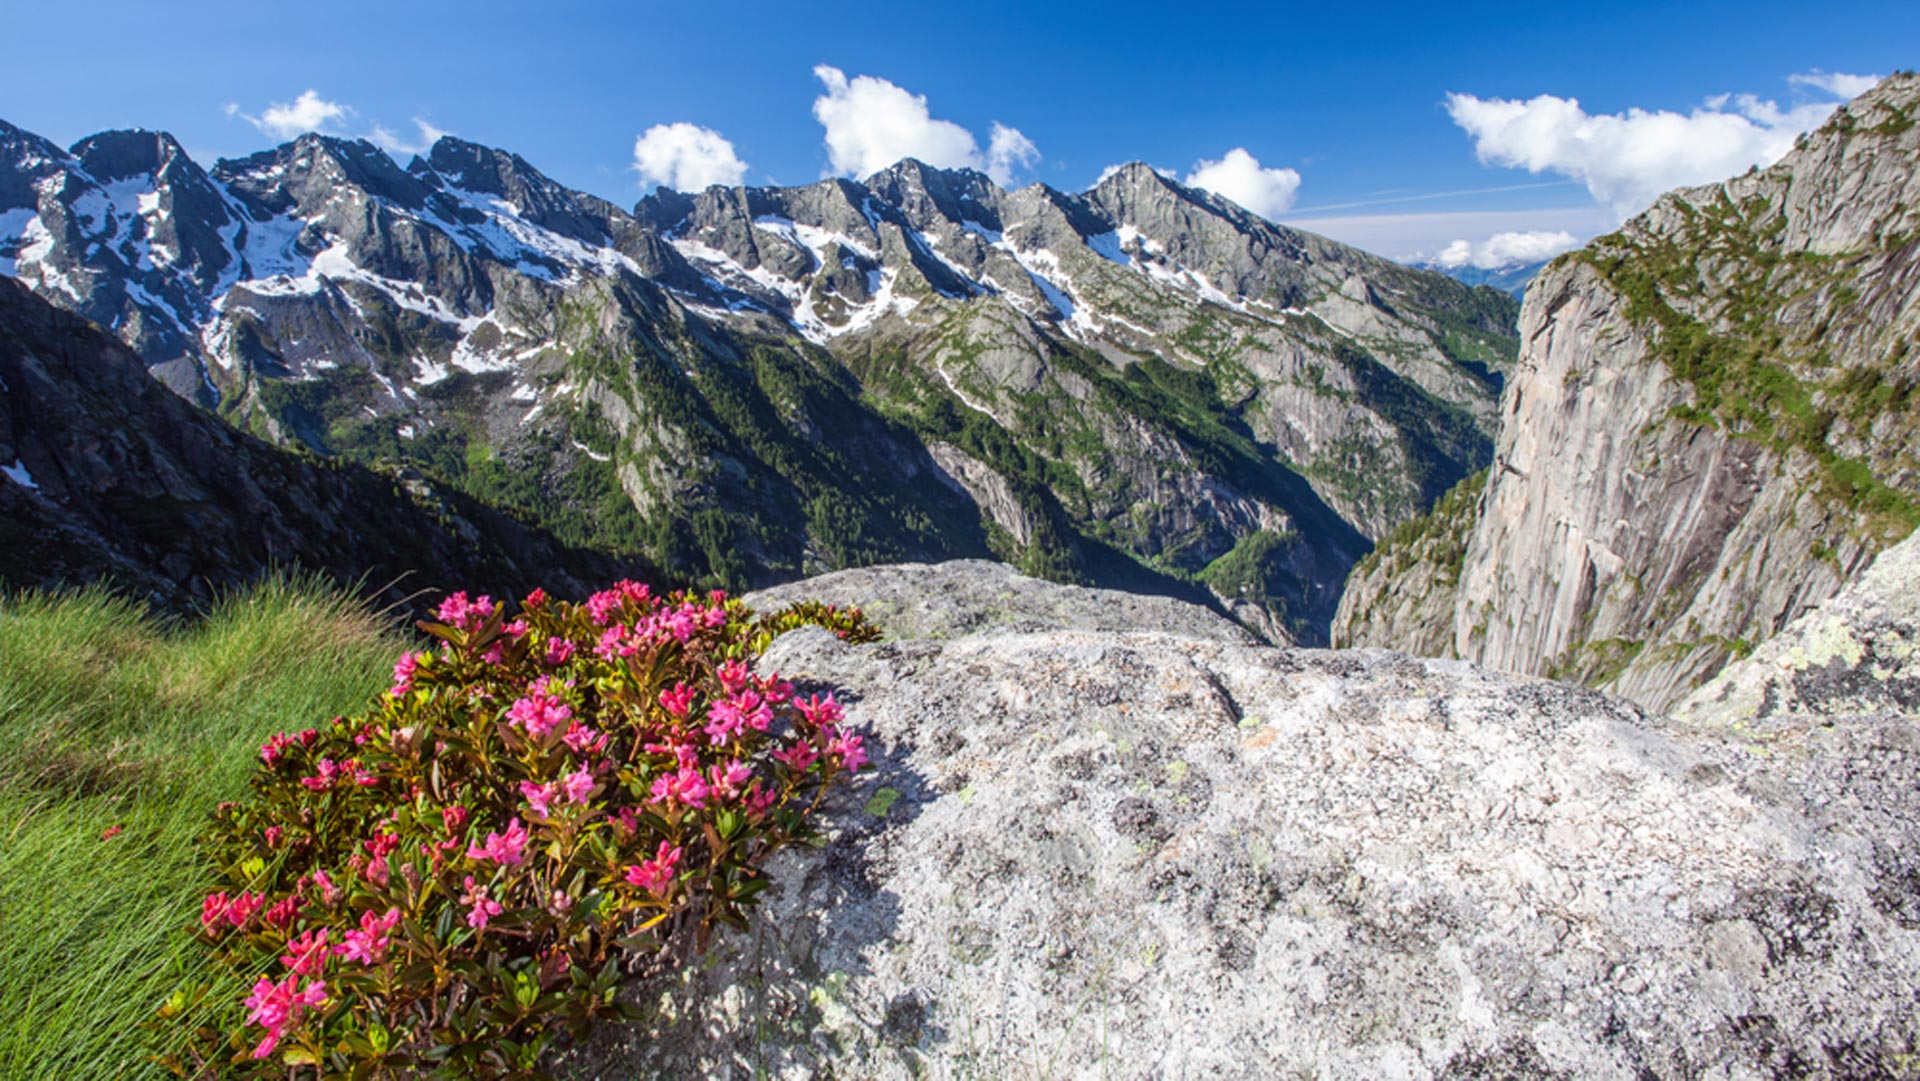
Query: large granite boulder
pixel 1127 853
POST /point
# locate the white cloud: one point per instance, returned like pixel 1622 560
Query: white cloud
pixel 287 120
pixel 1628 159
pixel 394 143
pixel 872 123
pixel 1836 83
pixel 1415 237
pixel 687 157
pixel 1008 150
pixel 1240 177
pixel 1508 249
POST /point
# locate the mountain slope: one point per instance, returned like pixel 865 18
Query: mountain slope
pixel 1138 385
pixel 1708 432
pixel 107 476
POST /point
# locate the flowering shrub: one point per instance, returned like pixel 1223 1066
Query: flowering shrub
pixel 536 804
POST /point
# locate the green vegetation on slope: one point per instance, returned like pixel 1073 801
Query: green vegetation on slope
pixel 1749 375
pixel 108 720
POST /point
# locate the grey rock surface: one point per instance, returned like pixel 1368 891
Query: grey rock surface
pixel 1856 655
pixel 1127 854
pixel 971 596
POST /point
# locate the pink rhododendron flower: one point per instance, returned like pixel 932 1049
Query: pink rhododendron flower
pixel 213 912
pixel 539 714
pixel 850 751
pixel 403 673
pixel 729 718
pixel 683 786
pixel 507 848
pixel 726 780
pixel 540 796
pixel 275 748
pixel 760 800
pixel 615 641
pixel 480 908
pixel 308 954
pixel 584 740
pixel 282 914
pixel 273 835
pixel 559 651
pixel 535 600
pixel 241 908
pixel 329 893
pixel 601 606
pixel 820 711
pixel 369 944
pixel 677 700
pixel 627 823
pixel 464 614
pixel 798 757
pixel 733 675
pixel 453 818
pixel 579 785
pixel 656 874
pixel 325 774
pixel 276 1007
pixel 382 843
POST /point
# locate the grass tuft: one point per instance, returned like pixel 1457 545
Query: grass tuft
pixel 110 717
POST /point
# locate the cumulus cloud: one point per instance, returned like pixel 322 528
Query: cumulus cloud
pixel 687 157
pixel 1240 177
pixel 286 120
pixel 1628 159
pixel 1835 83
pixel 1507 249
pixel 1008 150
pixel 872 123
pixel 394 143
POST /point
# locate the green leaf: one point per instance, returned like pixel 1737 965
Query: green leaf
pixel 882 802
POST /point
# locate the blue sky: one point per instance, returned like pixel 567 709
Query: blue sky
pixel 1354 99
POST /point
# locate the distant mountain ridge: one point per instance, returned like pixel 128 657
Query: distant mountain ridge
pixel 1139 385
pixel 1511 278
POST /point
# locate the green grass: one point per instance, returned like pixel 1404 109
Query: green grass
pixel 108 718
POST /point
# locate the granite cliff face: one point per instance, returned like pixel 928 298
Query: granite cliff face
pixel 1709 430
pixel 1096 849
pixel 1138 385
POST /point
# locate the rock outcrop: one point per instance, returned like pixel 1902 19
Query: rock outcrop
pixel 919 601
pixel 1128 853
pixel 1709 430
pixel 1857 655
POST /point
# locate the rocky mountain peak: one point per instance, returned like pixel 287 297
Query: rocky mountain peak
pixel 312 171
pixel 122 155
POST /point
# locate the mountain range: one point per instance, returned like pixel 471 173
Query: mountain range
pixel 1139 385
